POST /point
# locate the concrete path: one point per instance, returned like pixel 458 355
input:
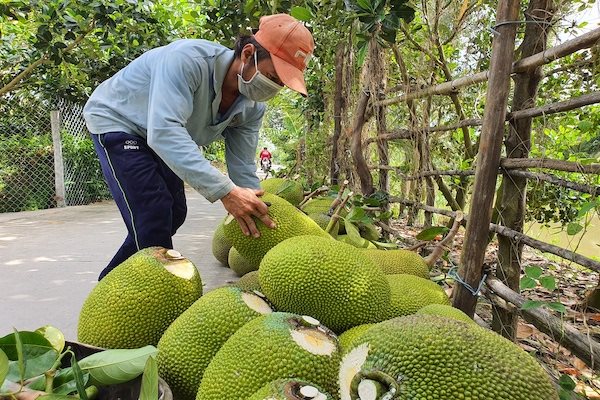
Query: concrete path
pixel 50 259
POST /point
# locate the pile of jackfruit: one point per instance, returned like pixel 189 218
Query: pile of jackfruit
pixel 311 317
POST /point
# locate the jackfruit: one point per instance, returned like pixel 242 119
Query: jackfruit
pixel 136 302
pixel 427 357
pixel 350 337
pixel 322 205
pixel 290 389
pixel 221 245
pixel 189 344
pixel 409 293
pixel 326 279
pixel 239 264
pixel 270 347
pixel 289 190
pixel 368 231
pixel 249 282
pixel 444 310
pixel 399 262
pixel 290 222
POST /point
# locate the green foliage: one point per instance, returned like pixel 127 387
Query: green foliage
pixel 20 189
pixel 28 359
pixel 81 160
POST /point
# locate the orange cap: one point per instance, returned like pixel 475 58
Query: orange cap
pixel 290 44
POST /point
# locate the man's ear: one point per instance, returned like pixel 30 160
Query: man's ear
pixel 247 51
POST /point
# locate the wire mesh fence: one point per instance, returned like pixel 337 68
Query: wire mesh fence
pixel 28 167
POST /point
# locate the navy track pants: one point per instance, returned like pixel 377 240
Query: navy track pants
pixel 150 197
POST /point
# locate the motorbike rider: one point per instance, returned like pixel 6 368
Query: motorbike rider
pixel 265 155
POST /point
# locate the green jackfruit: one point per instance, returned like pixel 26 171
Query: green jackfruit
pixel 287 189
pixel 290 389
pixel 249 282
pixel 427 357
pixel 326 279
pixel 192 340
pixel 136 302
pixel 351 336
pixel 444 310
pixel 290 222
pixel 322 205
pixel 221 245
pixel 399 262
pixel 409 293
pixel 240 265
pixel 270 347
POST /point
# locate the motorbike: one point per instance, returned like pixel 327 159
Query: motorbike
pixel 265 165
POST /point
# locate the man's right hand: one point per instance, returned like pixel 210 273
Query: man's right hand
pixel 243 204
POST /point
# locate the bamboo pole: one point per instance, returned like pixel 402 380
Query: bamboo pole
pixel 568 336
pixel 547 109
pixel 584 41
pixel 513 163
pixel 490 146
pixel 502 230
pixel 579 187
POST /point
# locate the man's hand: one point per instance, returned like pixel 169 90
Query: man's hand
pixel 244 203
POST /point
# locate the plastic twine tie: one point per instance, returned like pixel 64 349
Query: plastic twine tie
pixel 453 273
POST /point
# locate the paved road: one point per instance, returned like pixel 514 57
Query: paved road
pixel 50 259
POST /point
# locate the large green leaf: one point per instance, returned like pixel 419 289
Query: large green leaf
pixel 149 388
pixel 301 13
pixel 110 367
pixel 432 233
pixel 29 353
pixel 79 380
pixel 3 366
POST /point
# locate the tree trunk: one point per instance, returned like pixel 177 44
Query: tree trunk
pixel 361 117
pixel 511 212
pixel 490 147
pixel 338 106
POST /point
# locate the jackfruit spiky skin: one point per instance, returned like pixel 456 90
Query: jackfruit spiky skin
pixel 322 205
pixel 267 348
pixel 350 337
pixel 409 293
pixel 239 264
pixel 444 310
pixel 136 302
pixel 399 262
pixel 440 358
pixel 221 245
pixel 290 222
pixel 291 191
pixel 289 389
pixel 325 279
pixel 249 282
pixel 189 344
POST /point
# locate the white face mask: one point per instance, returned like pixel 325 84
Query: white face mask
pixel 259 87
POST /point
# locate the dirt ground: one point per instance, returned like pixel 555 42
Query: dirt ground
pixel 572 284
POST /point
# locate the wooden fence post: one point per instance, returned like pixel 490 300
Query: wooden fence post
pixel 488 159
pixel 59 169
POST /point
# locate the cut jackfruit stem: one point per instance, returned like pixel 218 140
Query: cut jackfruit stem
pixel 310 320
pixel 309 392
pixel 381 382
pixel 370 390
pixel 174 254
